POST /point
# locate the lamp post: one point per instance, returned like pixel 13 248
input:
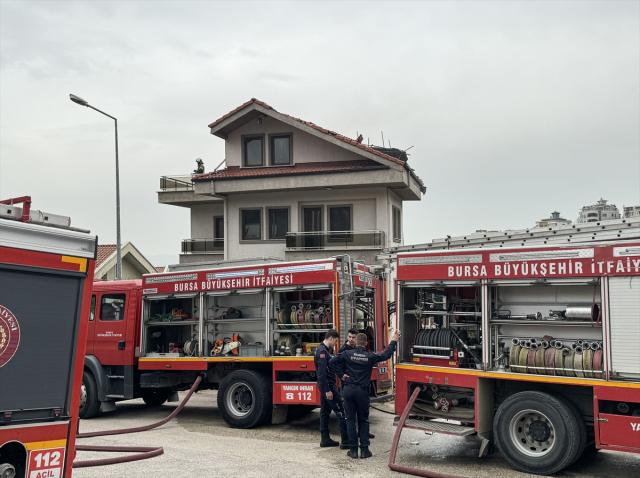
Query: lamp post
pixel 82 102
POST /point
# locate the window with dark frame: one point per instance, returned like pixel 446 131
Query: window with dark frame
pixel 251 224
pixel 218 227
pixel 112 307
pixel 253 151
pixel 397 224
pixel 340 220
pixel 280 152
pixel 278 222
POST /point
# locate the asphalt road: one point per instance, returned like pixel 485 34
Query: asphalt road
pixel 199 443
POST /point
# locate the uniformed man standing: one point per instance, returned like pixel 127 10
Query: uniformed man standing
pixel 351 340
pixel 330 398
pixel 350 344
pixel 354 366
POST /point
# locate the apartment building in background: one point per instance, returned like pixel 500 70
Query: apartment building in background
pixel 600 211
pixel 290 189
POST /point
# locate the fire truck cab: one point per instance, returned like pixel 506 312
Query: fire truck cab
pixel 535 349
pixel 46 271
pixel 251 330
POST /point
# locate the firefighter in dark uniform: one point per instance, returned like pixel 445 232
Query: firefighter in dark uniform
pixel 330 398
pixel 351 341
pixel 354 366
pixel 350 344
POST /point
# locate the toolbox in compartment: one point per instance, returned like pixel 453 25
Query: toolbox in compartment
pixel 251 350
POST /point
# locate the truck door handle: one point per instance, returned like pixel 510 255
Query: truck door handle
pixel 121 345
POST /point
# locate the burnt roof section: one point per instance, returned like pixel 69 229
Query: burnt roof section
pixel 236 172
pixel 394 152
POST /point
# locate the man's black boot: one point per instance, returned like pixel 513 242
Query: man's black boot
pixel 326 441
pixel 344 443
pixel 353 453
pixel 365 453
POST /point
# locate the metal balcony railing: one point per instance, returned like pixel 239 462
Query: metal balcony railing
pixel 173 183
pixel 203 246
pixel 334 240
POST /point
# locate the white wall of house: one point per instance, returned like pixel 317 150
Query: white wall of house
pixel 306 147
pixel 370 211
pixel 202 219
pixel 129 271
pixel 394 200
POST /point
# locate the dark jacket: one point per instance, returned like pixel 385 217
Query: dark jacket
pixel 346 346
pixel 357 364
pixel 326 377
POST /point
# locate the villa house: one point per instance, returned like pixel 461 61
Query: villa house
pixel 290 189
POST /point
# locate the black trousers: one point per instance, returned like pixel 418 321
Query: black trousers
pixel 356 404
pixel 326 406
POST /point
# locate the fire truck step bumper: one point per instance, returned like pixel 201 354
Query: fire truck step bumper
pixel 432 426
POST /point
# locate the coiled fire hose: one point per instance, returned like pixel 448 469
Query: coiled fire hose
pixel 141 452
pixel 550 356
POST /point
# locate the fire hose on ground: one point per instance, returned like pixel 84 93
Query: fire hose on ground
pixel 140 452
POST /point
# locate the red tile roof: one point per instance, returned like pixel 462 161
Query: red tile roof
pixel 104 251
pixel 234 172
pixel 333 134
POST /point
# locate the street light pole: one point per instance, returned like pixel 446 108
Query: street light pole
pixel 82 102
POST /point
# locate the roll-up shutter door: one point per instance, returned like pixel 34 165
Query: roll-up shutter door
pixel 624 317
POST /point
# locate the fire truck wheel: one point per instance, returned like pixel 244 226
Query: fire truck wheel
pixel 7 470
pixel 244 399
pixel 89 403
pixel 155 398
pixel 538 433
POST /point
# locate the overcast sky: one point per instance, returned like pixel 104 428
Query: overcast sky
pixel 513 109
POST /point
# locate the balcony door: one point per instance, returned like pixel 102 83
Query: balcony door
pixel 218 230
pixel 312 222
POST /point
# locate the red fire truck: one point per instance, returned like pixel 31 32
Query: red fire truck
pixel 46 272
pixel 251 330
pixel 535 349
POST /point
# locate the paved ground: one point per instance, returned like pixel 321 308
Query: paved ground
pixel 199 443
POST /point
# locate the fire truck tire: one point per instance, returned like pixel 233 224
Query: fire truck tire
pixel 89 403
pixel 155 398
pixel 538 433
pixel 7 470
pixel 244 399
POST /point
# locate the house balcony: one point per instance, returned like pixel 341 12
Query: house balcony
pixel 334 240
pixel 201 250
pixel 179 191
pixel 203 246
